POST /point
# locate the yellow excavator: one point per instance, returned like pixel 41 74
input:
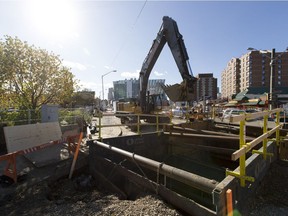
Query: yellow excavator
pixel 185 91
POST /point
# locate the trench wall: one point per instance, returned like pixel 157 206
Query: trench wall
pixel 207 156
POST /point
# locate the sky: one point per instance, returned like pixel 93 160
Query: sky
pixel 94 38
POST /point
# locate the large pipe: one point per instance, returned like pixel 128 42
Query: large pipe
pixel 196 181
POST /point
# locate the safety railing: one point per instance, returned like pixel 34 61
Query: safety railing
pixel 135 121
pixel 246 147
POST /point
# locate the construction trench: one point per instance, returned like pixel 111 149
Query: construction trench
pixel 184 164
pixel 186 167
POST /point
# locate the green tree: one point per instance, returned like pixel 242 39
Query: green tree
pixel 31 77
pixel 84 98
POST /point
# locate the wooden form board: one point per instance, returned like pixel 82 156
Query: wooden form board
pixel 27 136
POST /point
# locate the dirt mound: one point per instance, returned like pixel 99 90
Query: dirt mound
pixel 79 197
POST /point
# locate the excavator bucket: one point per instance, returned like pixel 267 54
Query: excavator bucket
pixel 177 92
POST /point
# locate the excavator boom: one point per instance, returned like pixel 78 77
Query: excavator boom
pixel 169 34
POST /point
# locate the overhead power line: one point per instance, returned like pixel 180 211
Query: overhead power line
pixel 127 38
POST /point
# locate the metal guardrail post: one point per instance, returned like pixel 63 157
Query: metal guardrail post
pixel 278 130
pixel 187 116
pixel 245 147
pixel 213 113
pixel 138 124
pixel 265 140
pixel 242 159
pixel 171 118
pixel 100 126
pixel 171 122
pixel 157 123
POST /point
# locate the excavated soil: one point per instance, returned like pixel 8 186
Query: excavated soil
pixel 271 197
pixel 80 196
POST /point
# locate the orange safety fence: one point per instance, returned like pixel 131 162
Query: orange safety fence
pixel 10 169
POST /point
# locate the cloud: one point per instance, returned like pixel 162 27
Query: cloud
pixel 109 67
pixel 130 74
pixel 136 74
pixel 75 65
pixel 86 51
pixel 76 35
pixel 156 73
pixel 88 85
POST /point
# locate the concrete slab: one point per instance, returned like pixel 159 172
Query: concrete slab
pixel 49 155
pixel 27 136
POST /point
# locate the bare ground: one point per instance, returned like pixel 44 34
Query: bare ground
pixel 81 197
pixel 67 197
pixel 271 197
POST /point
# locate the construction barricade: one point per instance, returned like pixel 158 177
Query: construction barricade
pixel 24 139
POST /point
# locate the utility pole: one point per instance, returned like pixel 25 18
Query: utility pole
pixel 272 65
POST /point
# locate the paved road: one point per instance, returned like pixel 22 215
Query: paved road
pixel 122 130
pixel 111 131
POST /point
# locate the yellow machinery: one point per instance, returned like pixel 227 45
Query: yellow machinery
pixel 128 109
pixel 153 103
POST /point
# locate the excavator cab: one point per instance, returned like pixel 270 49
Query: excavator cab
pixel 157 103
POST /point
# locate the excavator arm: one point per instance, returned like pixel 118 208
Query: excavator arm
pixel 169 34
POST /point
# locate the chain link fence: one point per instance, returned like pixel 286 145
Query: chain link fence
pixel 13 117
pixel 66 116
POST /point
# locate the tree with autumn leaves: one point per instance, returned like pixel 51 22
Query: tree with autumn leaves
pixel 31 77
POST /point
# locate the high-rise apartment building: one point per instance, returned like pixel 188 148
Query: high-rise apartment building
pixel 110 94
pixel 119 89
pixel 253 69
pixel 154 86
pixel 229 78
pixel 206 86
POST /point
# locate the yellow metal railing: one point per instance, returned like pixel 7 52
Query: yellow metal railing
pixel 137 124
pixel 246 147
pixel 243 146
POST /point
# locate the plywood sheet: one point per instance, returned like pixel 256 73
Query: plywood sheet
pixel 27 136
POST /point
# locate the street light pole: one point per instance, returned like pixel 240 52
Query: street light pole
pixel 103 82
pixel 271 78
